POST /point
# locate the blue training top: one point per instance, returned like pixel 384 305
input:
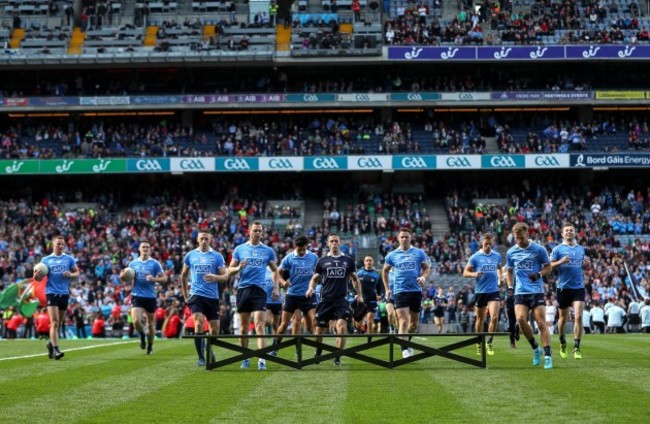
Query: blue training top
pixel 200 264
pixel 57 265
pixel 258 257
pixel 569 275
pixel 488 265
pixel 525 262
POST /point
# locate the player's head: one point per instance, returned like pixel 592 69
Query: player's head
pixel 58 244
pixel 334 243
pixel 368 262
pixel 144 249
pixel 520 231
pixel 568 233
pixel 487 241
pixel 404 237
pixel 301 243
pixel 204 238
pixel 255 232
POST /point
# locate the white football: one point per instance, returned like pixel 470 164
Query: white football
pixel 128 274
pixel 41 268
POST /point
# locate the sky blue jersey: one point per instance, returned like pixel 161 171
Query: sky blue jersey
pixel 489 266
pixel 268 286
pixel 525 262
pixel 142 287
pixel 301 269
pixel 569 275
pixel 258 257
pixel 407 265
pixel 57 265
pixel 200 264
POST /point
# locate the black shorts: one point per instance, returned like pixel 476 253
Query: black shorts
pixel 327 311
pixel 204 305
pixel 371 305
pixel 439 312
pixel 411 300
pixel 292 302
pixel 251 299
pixel 58 300
pixel 149 304
pixel 532 300
pixel 275 308
pixel 482 299
pixel 635 319
pixel 566 297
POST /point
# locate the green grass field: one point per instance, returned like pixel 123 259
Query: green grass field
pixel 112 381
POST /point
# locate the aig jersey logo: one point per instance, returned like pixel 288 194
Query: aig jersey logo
pixel 335 272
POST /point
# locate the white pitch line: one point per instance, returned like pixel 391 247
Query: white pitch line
pixel 67 350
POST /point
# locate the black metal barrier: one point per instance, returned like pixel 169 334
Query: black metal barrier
pixel 299 341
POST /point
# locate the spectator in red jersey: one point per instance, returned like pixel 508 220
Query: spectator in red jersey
pixel 172 326
pixel 13 324
pixel 99 327
pixel 42 323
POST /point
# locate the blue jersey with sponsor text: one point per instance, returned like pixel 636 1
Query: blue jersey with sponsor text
pixel 569 275
pixel 200 264
pixel 258 257
pixel 268 287
pixel 142 287
pixel 407 266
pixel 57 265
pixel 301 269
pixel 489 266
pixel 525 262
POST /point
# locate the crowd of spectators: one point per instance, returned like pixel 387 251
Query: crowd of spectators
pixel 494 23
pixel 103 232
pixel 562 136
pixel 335 135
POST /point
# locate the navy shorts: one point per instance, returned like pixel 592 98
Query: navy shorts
pixel 371 305
pixel 251 299
pixel 566 297
pixel 327 311
pixel 292 302
pixel 58 300
pixel 149 304
pixel 275 308
pixel 204 305
pixel 411 300
pixel 482 299
pixel 532 301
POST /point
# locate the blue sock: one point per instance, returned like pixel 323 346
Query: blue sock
pixel 533 343
pixel 198 345
pixel 563 339
pixel 547 350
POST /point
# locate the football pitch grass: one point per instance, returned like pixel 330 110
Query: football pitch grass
pixel 113 381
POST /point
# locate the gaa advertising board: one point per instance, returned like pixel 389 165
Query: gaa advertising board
pixel 356 163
